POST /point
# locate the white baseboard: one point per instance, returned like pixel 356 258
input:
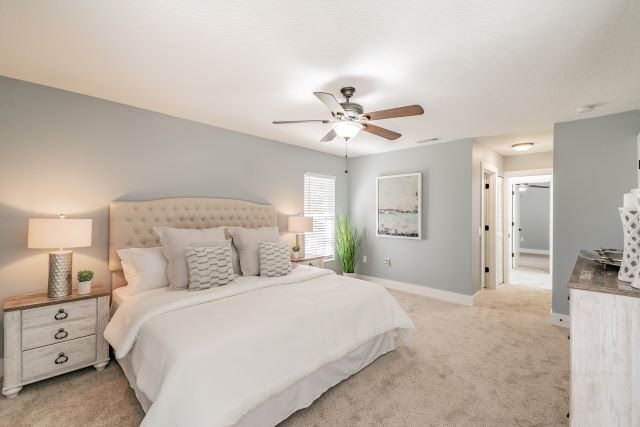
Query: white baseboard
pixel 534 251
pixel 423 290
pixel 559 319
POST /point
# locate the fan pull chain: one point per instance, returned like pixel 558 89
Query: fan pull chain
pixel 346 156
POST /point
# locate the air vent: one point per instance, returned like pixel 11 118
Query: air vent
pixel 429 141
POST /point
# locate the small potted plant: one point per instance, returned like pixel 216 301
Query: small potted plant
pixel 296 251
pixel 84 281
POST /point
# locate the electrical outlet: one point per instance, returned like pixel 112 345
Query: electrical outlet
pixel 364 259
pixel 387 262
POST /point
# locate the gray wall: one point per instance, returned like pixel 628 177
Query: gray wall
pixel 66 153
pixel 442 259
pixel 535 205
pixel 594 164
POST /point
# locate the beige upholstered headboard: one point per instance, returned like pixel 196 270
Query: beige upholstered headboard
pixel 131 223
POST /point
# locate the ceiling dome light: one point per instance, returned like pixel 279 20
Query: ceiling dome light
pixel 523 146
pixel 347 129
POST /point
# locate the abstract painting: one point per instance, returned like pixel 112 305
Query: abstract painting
pixel 399 206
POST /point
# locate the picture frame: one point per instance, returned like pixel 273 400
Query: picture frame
pixel 399 206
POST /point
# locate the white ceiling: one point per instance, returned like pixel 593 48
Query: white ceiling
pixel 502 144
pixel 493 67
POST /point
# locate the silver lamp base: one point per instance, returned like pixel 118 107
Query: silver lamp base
pixel 60 263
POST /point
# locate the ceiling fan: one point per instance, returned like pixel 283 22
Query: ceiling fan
pixel 349 118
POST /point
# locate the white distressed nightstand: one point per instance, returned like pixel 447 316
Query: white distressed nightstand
pixel 45 337
pixel 317 261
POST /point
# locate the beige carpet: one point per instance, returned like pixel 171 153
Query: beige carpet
pixel 499 363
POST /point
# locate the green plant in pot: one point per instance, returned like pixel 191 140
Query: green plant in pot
pixel 296 251
pixel 84 281
pixel 349 238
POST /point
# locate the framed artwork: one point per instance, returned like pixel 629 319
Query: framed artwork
pixel 399 206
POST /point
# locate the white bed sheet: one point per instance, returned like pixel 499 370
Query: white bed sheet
pixel 256 338
pixel 301 394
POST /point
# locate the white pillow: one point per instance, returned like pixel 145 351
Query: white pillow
pixel 175 242
pixel 246 242
pixel 144 269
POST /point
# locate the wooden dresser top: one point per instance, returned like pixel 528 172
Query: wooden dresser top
pixel 23 302
pixel 593 276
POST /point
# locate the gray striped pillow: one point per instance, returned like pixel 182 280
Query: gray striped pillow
pixel 274 259
pixel 209 266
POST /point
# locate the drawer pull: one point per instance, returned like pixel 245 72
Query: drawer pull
pixel 61 314
pixel 61 334
pixel 61 359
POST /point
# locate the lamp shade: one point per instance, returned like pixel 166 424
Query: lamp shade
pixel 59 233
pixel 300 224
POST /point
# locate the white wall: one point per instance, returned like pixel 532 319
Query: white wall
pixel 528 162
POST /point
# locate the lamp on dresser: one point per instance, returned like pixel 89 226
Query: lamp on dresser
pixel 48 233
pixel 300 224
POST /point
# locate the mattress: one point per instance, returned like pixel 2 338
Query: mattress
pixel 301 394
pixel 117 297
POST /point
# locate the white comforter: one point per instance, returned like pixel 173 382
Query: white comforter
pixel 210 357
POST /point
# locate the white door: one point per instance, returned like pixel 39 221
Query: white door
pixel 499 230
pixel 515 226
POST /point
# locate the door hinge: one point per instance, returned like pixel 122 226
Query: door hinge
pixel 486 269
pixel 513 255
pixel 486 227
pixel 486 186
pixel 513 224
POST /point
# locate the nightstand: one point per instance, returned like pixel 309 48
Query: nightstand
pixel 317 261
pixel 45 337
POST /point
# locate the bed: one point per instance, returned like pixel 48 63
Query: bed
pixel 249 353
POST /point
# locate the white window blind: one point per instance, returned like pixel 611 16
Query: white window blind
pixel 320 203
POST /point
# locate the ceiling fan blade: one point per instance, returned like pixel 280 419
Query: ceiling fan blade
pixel 377 130
pixel 329 137
pixel 331 103
pixel 285 122
pixel 409 110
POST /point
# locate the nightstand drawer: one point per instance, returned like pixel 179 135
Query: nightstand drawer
pixel 58 314
pixel 51 334
pixel 45 361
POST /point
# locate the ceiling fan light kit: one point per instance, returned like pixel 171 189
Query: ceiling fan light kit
pixel 522 146
pixel 347 129
pixel 349 118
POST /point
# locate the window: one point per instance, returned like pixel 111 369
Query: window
pixel 320 203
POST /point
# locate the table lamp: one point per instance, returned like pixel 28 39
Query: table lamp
pixel 48 233
pixel 299 225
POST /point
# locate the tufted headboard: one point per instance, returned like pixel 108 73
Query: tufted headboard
pixel 131 223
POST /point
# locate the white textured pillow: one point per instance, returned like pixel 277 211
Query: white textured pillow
pixel 246 242
pixel 144 269
pixel 175 242
pixel 274 259
pixel 209 266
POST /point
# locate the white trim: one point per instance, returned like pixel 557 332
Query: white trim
pixel 534 251
pixel 560 319
pixel 1 367
pixel 488 201
pixel 378 178
pixel 422 290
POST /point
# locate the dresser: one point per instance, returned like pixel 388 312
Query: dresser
pixel 317 261
pixel 605 347
pixel 45 337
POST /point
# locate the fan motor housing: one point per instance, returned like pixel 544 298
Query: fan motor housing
pixel 352 108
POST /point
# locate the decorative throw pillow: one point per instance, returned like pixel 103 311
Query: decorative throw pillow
pixel 246 242
pixel 144 269
pixel 209 266
pixel 175 242
pixel 274 259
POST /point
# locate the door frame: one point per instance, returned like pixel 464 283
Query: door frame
pixel 488 217
pixel 544 175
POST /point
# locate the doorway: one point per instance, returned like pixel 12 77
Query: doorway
pixel 530 234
